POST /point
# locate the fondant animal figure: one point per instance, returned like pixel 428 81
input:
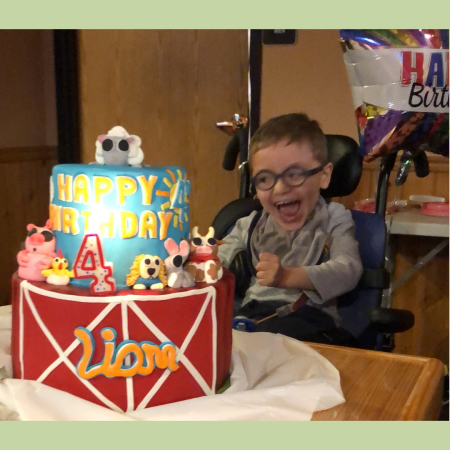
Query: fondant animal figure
pixel 58 274
pixel 38 253
pixel 203 263
pixel 147 271
pixel 119 148
pixel 176 275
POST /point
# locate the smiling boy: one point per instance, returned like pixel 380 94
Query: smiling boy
pixel 303 249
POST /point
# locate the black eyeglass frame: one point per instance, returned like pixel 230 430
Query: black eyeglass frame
pixel 277 176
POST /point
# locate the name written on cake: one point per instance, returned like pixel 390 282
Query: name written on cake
pixel 107 199
pixel 146 356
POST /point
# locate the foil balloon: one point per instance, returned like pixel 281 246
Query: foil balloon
pixel 399 81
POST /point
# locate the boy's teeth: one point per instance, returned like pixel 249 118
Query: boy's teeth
pixel 288 209
pixel 284 203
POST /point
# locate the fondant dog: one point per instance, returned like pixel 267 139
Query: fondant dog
pixel 203 263
pixel 147 271
pixel 176 275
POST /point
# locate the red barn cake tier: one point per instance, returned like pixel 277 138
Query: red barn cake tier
pixel 101 348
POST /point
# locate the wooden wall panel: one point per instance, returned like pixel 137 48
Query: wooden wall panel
pixel 440 187
pixel 436 183
pixel 169 87
pixel 25 174
pixel 426 295
pixel 310 77
pixel 27 91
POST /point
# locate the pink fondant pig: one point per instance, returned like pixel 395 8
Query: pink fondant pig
pixel 38 254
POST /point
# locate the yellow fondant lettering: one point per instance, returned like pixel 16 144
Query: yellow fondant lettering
pixel 171 355
pixel 150 351
pixel 165 219
pixel 70 221
pixel 109 225
pixel 125 349
pixel 81 189
pixel 164 358
pixel 125 186
pixel 55 217
pixel 147 222
pixel 105 220
pixel 147 188
pixel 86 339
pixel 102 186
pixel 161 356
pixel 86 215
pixel 109 338
pixel 128 224
pixel 65 187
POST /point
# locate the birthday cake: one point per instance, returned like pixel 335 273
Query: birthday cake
pixel 114 301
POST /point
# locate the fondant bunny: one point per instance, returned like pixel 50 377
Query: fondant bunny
pixel 177 276
pixel 38 254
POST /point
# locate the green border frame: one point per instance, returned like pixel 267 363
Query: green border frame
pixel 231 14
pixel 98 14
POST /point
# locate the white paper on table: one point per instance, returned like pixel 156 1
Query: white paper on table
pixel 5 342
pixel 273 377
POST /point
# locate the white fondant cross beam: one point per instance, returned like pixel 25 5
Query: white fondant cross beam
pixel 125 301
pixel 61 354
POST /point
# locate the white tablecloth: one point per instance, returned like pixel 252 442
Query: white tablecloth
pixel 273 378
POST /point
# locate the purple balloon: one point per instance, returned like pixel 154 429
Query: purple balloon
pixel 378 127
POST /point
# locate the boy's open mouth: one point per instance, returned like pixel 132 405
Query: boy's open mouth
pixel 288 209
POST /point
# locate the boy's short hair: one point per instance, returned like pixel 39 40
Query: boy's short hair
pixel 296 128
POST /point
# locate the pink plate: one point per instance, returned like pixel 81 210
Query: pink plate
pixel 435 209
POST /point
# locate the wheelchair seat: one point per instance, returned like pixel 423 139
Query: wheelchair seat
pixel 359 309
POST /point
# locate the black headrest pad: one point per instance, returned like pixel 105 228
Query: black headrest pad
pixel 343 153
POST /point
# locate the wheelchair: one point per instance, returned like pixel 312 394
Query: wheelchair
pixel 371 325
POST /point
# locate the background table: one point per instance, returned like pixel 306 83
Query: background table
pixel 418 262
pixel 412 222
pixel 384 386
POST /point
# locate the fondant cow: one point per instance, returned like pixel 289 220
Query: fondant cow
pixel 38 254
pixel 203 263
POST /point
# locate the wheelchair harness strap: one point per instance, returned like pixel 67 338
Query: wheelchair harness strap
pixel 291 307
pixel 251 228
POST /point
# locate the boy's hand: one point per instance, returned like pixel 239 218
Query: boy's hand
pixel 268 270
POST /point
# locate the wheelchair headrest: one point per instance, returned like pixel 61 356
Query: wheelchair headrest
pixel 343 153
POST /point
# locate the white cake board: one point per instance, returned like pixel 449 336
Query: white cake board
pixel 273 377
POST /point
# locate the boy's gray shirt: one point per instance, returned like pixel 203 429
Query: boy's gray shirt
pixel 329 224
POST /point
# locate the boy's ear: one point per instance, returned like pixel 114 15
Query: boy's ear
pixel 325 176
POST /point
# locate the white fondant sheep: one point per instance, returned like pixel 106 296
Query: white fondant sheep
pixel 119 148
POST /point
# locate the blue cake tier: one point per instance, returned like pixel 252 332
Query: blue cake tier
pixel 133 210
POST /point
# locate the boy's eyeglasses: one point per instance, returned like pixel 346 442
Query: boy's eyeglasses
pixel 293 176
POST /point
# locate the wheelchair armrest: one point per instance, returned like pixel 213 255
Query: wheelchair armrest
pixel 374 279
pixel 387 320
